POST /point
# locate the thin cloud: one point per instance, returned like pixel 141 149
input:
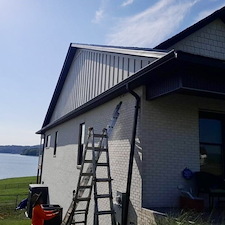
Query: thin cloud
pixel 151 26
pixel 99 15
pixel 127 2
pixel 205 13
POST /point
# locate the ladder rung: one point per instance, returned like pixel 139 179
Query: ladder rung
pixel 100 149
pixel 84 186
pixel 84 199
pixel 100 135
pixel 88 161
pixel 105 212
pixel 102 164
pixel 79 213
pixel 86 174
pixel 77 222
pixel 103 179
pixel 104 196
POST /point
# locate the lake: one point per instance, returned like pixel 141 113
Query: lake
pixel 13 165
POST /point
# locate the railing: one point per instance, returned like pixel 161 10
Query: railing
pixel 13 185
pixel 11 201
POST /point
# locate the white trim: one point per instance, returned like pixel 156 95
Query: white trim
pixel 143 53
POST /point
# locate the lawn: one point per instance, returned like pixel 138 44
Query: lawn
pixel 12 191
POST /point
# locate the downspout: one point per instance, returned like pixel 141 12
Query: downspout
pixel 131 159
pixel 40 164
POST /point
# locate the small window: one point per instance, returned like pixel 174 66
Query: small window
pixel 48 141
pixel 55 143
pixel 81 143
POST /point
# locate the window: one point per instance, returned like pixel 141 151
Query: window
pixel 48 141
pixel 211 129
pixel 55 143
pixel 81 143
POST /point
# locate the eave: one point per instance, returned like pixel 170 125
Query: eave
pixel 134 81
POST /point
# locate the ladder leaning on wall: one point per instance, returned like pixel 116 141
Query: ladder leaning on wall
pixel 96 144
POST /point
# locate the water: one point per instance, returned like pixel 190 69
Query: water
pixel 13 165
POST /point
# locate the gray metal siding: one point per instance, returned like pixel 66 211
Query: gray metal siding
pixel 92 73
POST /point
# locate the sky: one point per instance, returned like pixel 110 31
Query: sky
pixel 35 36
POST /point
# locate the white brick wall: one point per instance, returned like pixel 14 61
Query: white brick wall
pixel 208 41
pixel 167 140
pixel 170 143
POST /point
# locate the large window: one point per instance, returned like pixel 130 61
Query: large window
pixel 211 143
pixel 81 143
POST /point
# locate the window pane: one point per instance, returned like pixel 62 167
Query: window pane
pixel 211 159
pixel 210 131
pixel 82 133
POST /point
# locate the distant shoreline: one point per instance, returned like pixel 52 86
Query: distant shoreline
pixel 21 150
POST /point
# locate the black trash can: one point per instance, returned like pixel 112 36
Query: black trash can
pixel 56 220
pixel 36 188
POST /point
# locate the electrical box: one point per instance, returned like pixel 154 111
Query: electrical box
pixel 118 205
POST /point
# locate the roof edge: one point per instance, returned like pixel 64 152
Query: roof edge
pixel 113 92
pixel 136 51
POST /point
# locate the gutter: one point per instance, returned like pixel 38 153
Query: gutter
pixel 131 159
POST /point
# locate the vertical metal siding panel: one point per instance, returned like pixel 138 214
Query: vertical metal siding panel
pixel 79 80
pixel 104 73
pixel 98 73
pixel 111 68
pixel 131 66
pixel 137 64
pixel 84 88
pixel 92 75
pixel 85 78
pixel 116 74
pixel 94 72
pixel 73 86
pixel 108 72
pixel 88 76
pixel 126 68
pixel 144 63
pixel 75 83
pixel 120 70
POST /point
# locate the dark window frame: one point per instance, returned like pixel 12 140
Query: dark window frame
pixel 80 143
pixel 55 143
pixel 48 141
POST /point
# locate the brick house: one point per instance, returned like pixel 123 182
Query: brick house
pixel 181 87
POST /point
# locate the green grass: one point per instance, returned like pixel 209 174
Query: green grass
pixel 12 191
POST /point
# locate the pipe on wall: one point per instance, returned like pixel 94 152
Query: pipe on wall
pixel 41 153
pixel 131 159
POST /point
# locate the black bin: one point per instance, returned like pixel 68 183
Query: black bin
pixel 36 188
pixel 56 220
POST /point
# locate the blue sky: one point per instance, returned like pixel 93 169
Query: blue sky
pixel 35 36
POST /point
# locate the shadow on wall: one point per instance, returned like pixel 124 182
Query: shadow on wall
pixel 132 218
